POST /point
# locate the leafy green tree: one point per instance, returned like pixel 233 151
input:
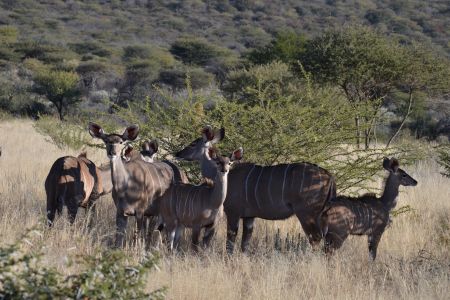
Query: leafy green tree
pixel 286 47
pixel 363 64
pixel 60 88
pixel 274 80
pixel 423 73
pixel 196 51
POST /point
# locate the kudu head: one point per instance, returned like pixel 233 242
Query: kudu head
pixel 114 142
pixel 197 150
pixel 224 163
pixel 149 149
pixel 397 176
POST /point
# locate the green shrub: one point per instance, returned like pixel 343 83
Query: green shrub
pixel 309 125
pixel 196 51
pixel 104 275
pixel 444 160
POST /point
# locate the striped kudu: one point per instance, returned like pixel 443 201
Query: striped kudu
pixel 136 183
pixel 74 181
pixel 268 192
pixel 365 215
pixel 196 206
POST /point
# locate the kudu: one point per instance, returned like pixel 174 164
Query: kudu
pixel 365 215
pixel 136 183
pixel 73 181
pixel 196 206
pixel 268 192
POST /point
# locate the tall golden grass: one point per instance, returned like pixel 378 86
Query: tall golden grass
pixel 413 259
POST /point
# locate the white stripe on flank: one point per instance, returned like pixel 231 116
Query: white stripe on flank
pixel 284 181
pixel 153 183
pixel 270 185
pixel 303 178
pixel 186 200
pixel 159 180
pixel 256 188
pixel 246 184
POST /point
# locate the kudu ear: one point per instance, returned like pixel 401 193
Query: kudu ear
pixel 154 146
pixel 394 164
pixel 127 152
pixel 207 133
pixel 218 136
pixel 237 154
pixel 212 152
pixel 96 131
pixel 130 133
pixel 390 164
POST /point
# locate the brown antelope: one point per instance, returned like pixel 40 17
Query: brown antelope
pixel 268 192
pixel 196 206
pixel 365 215
pixel 73 181
pixel 135 183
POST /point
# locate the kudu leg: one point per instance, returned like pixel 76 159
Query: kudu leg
pixel 51 210
pixel 196 237
pixel 140 227
pixel 210 230
pixel 121 225
pixel 72 209
pixel 334 241
pixel 247 225
pixel 374 240
pixel 232 230
pixel 310 227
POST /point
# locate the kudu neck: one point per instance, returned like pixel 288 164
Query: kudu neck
pixel 219 191
pixel 119 174
pixel 390 194
pixel 208 168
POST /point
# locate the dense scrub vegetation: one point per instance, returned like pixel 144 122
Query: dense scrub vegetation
pixel 104 275
pixel 76 56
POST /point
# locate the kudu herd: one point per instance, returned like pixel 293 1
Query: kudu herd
pixel 145 188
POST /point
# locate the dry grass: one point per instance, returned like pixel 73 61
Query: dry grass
pixel 413 261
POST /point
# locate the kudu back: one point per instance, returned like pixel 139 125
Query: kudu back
pixel 268 192
pixel 74 182
pixel 364 215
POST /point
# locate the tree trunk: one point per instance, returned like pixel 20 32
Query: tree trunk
pixel 403 120
pixel 358 132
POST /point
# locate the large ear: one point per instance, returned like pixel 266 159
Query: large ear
pixel 154 146
pixel 218 135
pixel 96 131
pixel 127 152
pixel 207 133
pixel 212 152
pixel 130 133
pixel 390 164
pixel 237 154
pixel 394 164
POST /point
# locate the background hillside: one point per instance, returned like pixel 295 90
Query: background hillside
pixel 237 25
pixel 66 56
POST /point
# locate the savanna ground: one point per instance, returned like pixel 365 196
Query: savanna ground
pixel 413 259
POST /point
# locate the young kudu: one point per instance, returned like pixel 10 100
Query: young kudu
pixel 196 206
pixel 268 192
pixel 136 183
pixel 365 215
pixel 73 181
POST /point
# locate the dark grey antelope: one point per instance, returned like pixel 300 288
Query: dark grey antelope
pixel 268 192
pixel 135 183
pixel 365 215
pixel 197 206
pixel 74 182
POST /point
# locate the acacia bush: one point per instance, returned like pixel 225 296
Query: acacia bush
pixel 310 125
